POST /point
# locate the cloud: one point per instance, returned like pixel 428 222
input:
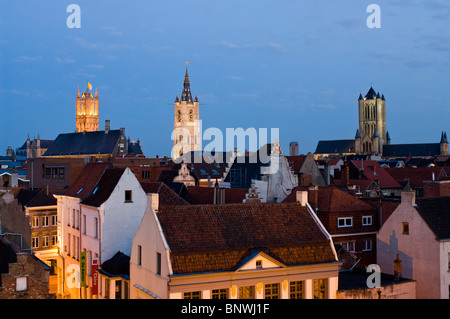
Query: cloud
pixel 64 60
pixel 24 58
pixel 272 47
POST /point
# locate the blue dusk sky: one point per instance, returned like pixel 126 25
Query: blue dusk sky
pixel 294 65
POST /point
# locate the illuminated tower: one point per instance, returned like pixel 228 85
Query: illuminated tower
pixel 372 134
pixel 186 133
pixel 87 111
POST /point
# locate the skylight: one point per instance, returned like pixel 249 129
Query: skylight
pixel 80 190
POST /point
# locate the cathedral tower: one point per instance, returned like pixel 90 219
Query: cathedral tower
pixel 87 118
pixel 186 133
pixel 371 135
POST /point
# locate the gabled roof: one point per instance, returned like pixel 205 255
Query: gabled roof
pixel 296 162
pixel 372 170
pixel 166 195
pixel 205 238
pixel 41 199
pixel 335 147
pixel 104 187
pixel 87 180
pixel 205 195
pixel 332 199
pixel 85 143
pixel 24 196
pixel 435 211
pixel 117 265
pixel 417 175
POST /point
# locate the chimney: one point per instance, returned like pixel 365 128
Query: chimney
pixel 107 126
pixel 153 201
pixel 397 269
pixel 345 176
pixel 327 172
pixel 314 196
pixel 408 197
pixel 302 197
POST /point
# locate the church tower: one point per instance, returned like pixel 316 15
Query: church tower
pixel 186 132
pixel 371 135
pixel 87 118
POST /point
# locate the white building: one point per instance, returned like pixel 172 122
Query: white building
pixel 235 251
pixel 98 215
pixel 418 231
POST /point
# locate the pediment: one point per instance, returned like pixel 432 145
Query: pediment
pixel 259 261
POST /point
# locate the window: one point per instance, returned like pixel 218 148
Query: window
pixel 54 220
pixel 54 172
pixel 61 172
pixel 158 264
pixel 348 245
pixel 145 174
pixel 259 264
pixel 54 240
pixel 21 284
pixel 106 288
pixel 118 289
pixel 47 172
pixel 44 241
pixel 44 221
pixel 73 218
pixel 366 245
pixel 405 228
pixel 448 261
pixel 320 288
pixel 35 242
pixel 128 197
pixel 139 255
pixel 272 291
pixel 96 227
pixel 296 289
pixel 219 294
pixel 84 224
pixel 192 295
pixel 35 222
pixel 345 222
pixel 247 292
pixel 367 220
pixel 69 247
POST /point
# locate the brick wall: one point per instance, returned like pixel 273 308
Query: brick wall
pixel 37 275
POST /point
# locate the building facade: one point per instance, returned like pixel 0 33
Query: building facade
pixel 233 251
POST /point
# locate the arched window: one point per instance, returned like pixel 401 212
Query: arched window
pixel 179 116
pixel 191 115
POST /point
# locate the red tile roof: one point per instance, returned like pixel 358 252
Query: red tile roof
pixel 372 170
pixel 104 187
pixel 205 195
pixel 166 195
pixel 296 162
pixel 87 180
pixel 206 238
pixel 332 199
pixel 417 175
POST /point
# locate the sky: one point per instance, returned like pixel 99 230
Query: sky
pixel 298 66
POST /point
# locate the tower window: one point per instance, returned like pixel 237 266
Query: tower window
pixel 191 115
pixel 179 116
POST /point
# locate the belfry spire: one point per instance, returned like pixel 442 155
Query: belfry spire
pixel 186 94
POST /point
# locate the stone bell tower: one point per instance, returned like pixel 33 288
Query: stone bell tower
pixel 186 125
pixel 87 118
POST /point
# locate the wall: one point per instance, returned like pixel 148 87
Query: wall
pixel 418 251
pixel 37 279
pixel 121 219
pixel 405 290
pixel 149 237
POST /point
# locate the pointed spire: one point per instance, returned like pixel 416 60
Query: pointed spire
pixel 382 97
pixel 96 92
pixel 378 95
pixel 358 135
pixel 186 95
pixel 388 138
pixel 371 94
pixel 177 99
pixel 444 138
pixel 360 96
pixel 78 92
pixel 195 98
pixel 375 134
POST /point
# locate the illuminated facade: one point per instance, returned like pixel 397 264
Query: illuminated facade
pixel 186 132
pixel 87 118
pixel 372 134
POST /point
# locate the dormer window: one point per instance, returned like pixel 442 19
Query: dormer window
pixel 259 264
